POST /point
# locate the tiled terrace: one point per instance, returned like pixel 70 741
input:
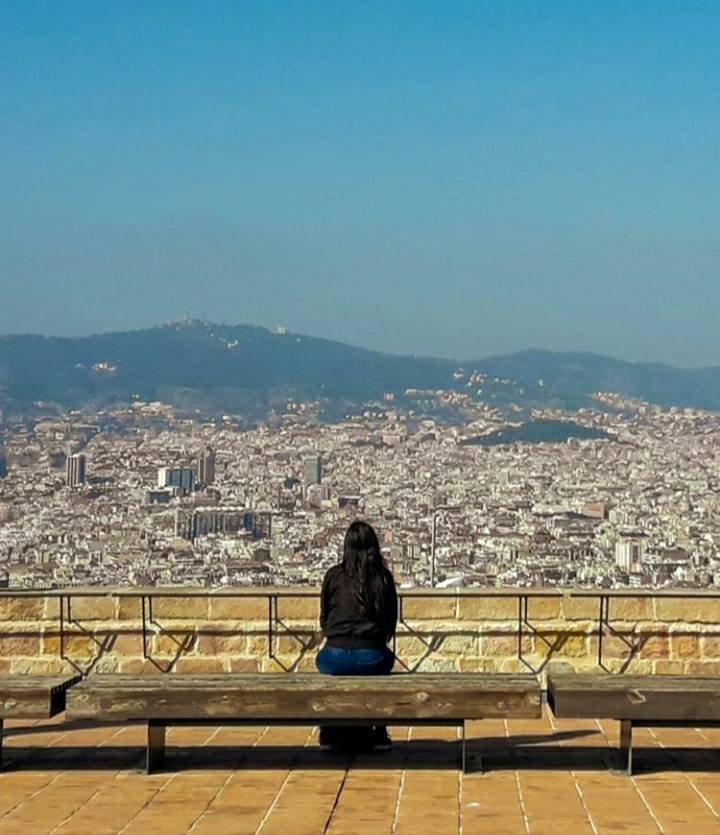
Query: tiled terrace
pixel 543 776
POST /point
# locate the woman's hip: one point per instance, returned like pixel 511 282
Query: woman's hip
pixel 345 661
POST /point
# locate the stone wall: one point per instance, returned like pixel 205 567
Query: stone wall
pixel 454 631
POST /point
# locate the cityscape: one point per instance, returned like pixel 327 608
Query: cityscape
pixel 624 495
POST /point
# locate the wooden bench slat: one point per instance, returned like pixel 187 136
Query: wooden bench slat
pixel 602 696
pixel 33 697
pixel 306 696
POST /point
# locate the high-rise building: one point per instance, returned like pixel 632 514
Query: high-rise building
pixel 205 466
pixel 75 470
pixel 3 463
pixel 181 477
pixel 312 470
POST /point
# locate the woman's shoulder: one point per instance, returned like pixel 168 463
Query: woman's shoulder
pixel 333 573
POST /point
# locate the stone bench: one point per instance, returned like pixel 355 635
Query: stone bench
pixel 636 701
pixel 301 699
pixel 32 697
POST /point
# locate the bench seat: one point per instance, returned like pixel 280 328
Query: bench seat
pixel 636 701
pixel 32 697
pixel 302 699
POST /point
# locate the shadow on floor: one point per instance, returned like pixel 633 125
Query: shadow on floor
pixel 63 727
pixel 529 752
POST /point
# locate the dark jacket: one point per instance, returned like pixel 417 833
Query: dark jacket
pixel 344 622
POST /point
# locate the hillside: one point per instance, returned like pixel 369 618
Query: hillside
pixel 248 369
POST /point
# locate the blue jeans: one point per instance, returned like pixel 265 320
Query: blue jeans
pixel 338 661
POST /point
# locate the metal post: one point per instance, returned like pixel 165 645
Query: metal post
pixel 626 746
pixel 155 747
pixel 433 543
pixel 61 600
pixel 144 625
pixel 520 630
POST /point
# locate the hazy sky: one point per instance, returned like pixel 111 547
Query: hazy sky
pixel 443 178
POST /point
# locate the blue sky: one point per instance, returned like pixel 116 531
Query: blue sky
pixel 442 178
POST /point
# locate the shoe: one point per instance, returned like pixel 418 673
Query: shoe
pixel 381 739
pixel 328 738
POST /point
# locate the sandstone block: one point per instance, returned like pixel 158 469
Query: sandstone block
pixel 243 665
pixel 488 608
pixel 172 643
pixel 238 608
pixel 572 645
pixel 631 609
pixel 224 643
pixel 257 645
pixel 127 643
pixel 688 610
pixel 92 608
pixel 476 665
pixel 655 645
pixel 436 665
pixel 128 608
pixel 298 608
pixel 306 664
pixel 180 608
pixel 558 667
pixel 503 645
pixel 420 608
pixel 547 642
pixel 139 666
pixel 459 645
pixel 684 645
pixel 710 646
pixel 515 665
pixel 613 645
pixel 19 645
pixel 276 665
pixel 641 666
pixel 289 644
pixel 194 664
pixel 545 608
pixel 666 667
pixel 23 608
pixel 702 668
pixel 81 647
pixel 580 608
pixel 107 665
pixel 40 666
pixel 409 645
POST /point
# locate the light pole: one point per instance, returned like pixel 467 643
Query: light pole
pixel 433 539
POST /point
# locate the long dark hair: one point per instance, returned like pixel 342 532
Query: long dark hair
pixel 365 566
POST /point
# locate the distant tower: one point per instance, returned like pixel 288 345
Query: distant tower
pixel 312 470
pixel 205 465
pixel 75 470
pixel 3 463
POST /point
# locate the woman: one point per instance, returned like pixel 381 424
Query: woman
pixel 358 616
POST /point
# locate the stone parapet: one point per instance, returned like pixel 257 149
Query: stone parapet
pixel 190 630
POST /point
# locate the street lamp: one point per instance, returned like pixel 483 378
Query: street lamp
pixel 433 540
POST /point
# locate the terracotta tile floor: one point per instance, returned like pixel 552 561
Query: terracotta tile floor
pixel 541 776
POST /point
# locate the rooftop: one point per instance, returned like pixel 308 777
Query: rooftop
pixel 542 776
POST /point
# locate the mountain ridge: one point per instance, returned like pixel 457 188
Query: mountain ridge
pixel 248 368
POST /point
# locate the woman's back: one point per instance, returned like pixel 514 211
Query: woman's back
pixel 347 620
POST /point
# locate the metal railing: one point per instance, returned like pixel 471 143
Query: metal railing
pixel 276 626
